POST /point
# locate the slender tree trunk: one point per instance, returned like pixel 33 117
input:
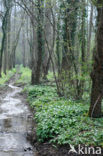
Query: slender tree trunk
pixel 4 29
pixel 9 40
pixel 48 33
pixel 33 58
pixel 46 69
pixel 83 50
pixel 23 44
pixel 90 33
pixel 14 51
pixel 5 57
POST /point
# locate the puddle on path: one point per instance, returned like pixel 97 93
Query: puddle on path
pixel 15 122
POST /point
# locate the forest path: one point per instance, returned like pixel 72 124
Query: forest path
pixel 15 122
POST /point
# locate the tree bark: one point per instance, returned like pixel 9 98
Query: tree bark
pixel 24 50
pixel 40 46
pixel 90 33
pixel 97 74
pixel 4 29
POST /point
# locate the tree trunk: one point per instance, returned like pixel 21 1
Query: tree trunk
pixel 40 47
pixel 83 50
pixel 23 44
pixel 90 32
pixel 48 34
pixel 46 69
pixel 97 74
pixel 5 57
pixel 9 40
pixel 33 55
pixel 39 59
pixel 4 28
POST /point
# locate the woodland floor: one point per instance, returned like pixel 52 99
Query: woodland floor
pixel 16 122
pixel 17 127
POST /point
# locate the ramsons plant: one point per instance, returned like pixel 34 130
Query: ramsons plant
pixel 63 121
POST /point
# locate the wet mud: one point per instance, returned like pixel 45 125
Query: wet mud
pixel 15 123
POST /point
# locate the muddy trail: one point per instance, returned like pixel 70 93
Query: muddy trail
pixel 16 122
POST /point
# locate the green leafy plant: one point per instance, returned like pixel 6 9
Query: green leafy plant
pixel 63 121
pixel 5 78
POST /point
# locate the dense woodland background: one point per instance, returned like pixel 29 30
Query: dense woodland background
pixel 62 37
pixel 56 48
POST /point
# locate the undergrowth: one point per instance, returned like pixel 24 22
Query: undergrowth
pixel 59 120
pixel 63 121
pixel 25 75
pixel 6 77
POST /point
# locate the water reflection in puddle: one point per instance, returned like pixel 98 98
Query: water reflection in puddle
pixel 14 125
